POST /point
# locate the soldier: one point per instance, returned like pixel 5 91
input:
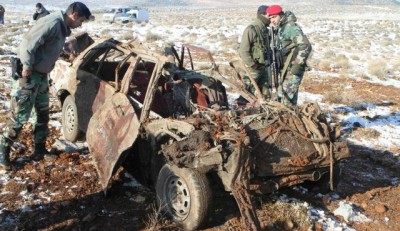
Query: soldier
pixel 252 51
pixel 293 49
pixel 2 10
pixel 38 51
pixel 40 11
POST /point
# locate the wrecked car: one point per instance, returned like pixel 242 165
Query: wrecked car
pixel 169 119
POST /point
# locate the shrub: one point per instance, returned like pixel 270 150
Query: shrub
pixel 329 54
pixel 377 68
pixel 151 37
pixel 127 36
pixel 355 57
pixel 324 65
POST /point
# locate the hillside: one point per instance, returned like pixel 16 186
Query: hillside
pixel 203 3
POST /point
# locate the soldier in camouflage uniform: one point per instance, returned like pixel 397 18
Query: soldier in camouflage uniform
pixel 252 51
pixel 38 51
pixel 291 42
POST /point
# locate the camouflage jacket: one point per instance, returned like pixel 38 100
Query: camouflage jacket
pixel 42 45
pixel 252 45
pixel 290 36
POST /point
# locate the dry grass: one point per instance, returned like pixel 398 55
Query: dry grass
pixel 329 54
pixel 377 68
pixel 341 62
pixel 343 97
pixel 355 57
pixel 324 65
pixel 366 133
pixel 288 215
pixel 151 37
pixel 127 36
pixel 156 220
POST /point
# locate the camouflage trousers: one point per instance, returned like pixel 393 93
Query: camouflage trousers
pixel 288 92
pixel 262 78
pixel 28 93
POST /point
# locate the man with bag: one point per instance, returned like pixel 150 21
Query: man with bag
pixel 38 52
pixel 252 51
pixel 293 49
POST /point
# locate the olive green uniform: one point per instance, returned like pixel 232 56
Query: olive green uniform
pixel 252 51
pixel 39 50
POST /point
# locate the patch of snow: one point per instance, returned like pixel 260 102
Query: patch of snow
pixel 347 211
pixel 328 222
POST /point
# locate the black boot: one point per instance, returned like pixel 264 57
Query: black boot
pixel 4 156
pixel 39 152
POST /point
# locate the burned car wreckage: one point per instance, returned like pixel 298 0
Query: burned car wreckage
pixel 172 123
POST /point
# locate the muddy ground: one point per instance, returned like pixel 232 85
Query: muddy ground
pixel 61 192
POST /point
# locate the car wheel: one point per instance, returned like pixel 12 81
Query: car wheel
pixel 184 195
pixel 70 119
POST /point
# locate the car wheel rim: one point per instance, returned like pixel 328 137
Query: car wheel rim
pixel 177 197
pixel 69 118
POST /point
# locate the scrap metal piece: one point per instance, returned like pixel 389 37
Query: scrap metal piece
pixel 111 131
pixel 236 178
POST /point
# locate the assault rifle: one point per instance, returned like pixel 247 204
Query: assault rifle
pixel 274 70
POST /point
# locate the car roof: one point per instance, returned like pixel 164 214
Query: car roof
pixel 123 7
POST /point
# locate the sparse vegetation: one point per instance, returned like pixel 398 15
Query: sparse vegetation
pixel 347 45
pixel 151 37
pixel 127 36
pixel 288 216
pixel 367 133
pixel 377 68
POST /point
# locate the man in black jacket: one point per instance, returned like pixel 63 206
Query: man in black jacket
pixel 40 11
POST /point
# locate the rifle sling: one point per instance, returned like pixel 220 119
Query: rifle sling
pixel 285 67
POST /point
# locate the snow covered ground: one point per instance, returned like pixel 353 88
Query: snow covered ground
pixel 353 47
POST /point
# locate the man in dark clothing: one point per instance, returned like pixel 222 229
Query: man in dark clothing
pixel 293 48
pixel 2 10
pixel 252 51
pixel 38 51
pixel 40 11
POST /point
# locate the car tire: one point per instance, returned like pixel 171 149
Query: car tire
pixel 70 129
pixel 191 208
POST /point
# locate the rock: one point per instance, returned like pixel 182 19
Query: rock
pixel 326 199
pixel 380 208
pixel 288 225
pixel 364 205
pixel 140 199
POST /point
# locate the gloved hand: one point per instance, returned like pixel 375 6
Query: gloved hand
pixel 279 60
pixel 256 66
pixel 297 69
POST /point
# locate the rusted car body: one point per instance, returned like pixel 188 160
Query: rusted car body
pixel 154 111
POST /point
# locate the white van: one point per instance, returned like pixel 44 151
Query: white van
pixel 126 14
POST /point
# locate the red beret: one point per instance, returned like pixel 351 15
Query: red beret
pixel 273 10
